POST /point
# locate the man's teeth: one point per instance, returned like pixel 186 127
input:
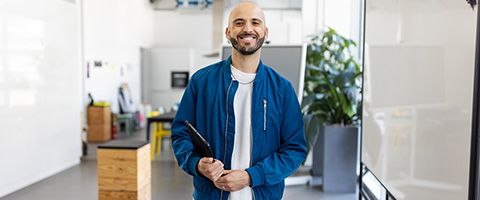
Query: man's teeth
pixel 247 37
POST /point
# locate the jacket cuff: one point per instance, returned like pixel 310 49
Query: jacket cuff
pixel 256 176
pixel 192 165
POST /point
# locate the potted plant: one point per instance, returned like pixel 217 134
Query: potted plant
pixel 331 106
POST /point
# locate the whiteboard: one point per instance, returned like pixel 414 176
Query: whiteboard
pixel 418 92
pixel 40 90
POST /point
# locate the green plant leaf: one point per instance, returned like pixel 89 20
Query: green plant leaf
pixel 332 81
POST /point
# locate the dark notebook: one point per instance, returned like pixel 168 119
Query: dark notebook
pixel 201 145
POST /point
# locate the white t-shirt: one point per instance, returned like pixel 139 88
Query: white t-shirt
pixel 242 106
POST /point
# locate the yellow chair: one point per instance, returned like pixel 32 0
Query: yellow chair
pixel 159 133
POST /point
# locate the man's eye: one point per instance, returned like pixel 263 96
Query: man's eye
pixel 239 23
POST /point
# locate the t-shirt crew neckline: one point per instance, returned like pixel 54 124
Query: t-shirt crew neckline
pixel 242 76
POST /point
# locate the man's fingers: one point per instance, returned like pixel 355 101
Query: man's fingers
pixel 225 174
pixel 211 166
pixel 213 170
pixel 222 186
pixel 203 164
pixel 207 160
pixel 216 166
pixel 222 180
pixel 218 175
pixel 217 185
pixel 217 163
pixel 213 173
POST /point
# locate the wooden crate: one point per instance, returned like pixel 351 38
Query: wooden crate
pixel 124 173
pixel 98 115
pixel 99 133
pixel 99 124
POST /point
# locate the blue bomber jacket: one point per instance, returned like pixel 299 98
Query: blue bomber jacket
pixel 278 145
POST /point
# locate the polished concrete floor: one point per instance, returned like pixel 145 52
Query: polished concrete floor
pixel 168 182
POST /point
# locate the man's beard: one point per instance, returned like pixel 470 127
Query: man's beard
pixel 245 50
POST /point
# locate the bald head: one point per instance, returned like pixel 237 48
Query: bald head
pixel 246 8
pixel 246 28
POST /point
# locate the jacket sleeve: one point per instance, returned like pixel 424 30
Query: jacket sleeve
pixel 181 142
pixel 281 164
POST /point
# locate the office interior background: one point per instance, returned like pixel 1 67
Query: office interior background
pixel 419 119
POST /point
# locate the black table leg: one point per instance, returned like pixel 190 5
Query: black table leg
pixel 148 129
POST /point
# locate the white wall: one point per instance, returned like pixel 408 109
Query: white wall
pixel 338 15
pixel 114 32
pixel 285 26
pixel 183 28
pixel 182 37
pixel 40 91
pixel 158 65
pixel 312 17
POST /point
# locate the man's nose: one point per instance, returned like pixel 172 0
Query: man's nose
pixel 248 28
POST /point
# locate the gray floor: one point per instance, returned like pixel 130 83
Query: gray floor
pixel 168 182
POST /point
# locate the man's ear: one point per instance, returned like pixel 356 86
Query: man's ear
pixel 227 33
pixel 266 33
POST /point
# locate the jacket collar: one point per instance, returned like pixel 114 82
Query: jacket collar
pixel 261 71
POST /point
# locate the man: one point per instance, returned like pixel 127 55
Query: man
pixel 248 113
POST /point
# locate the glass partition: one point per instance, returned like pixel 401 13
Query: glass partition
pixel 418 96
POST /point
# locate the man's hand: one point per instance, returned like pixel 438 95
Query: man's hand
pixel 210 169
pixel 233 180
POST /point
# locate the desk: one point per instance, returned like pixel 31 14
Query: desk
pixel 166 117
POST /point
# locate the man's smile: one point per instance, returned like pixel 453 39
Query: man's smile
pixel 247 38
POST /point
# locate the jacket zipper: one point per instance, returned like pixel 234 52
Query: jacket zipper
pixel 226 128
pixel 251 157
pixel 264 114
pixel 251 146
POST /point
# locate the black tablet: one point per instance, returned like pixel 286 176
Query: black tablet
pixel 201 145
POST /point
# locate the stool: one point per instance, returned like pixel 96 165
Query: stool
pixel 127 121
pixel 124 170
pixel 159 133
